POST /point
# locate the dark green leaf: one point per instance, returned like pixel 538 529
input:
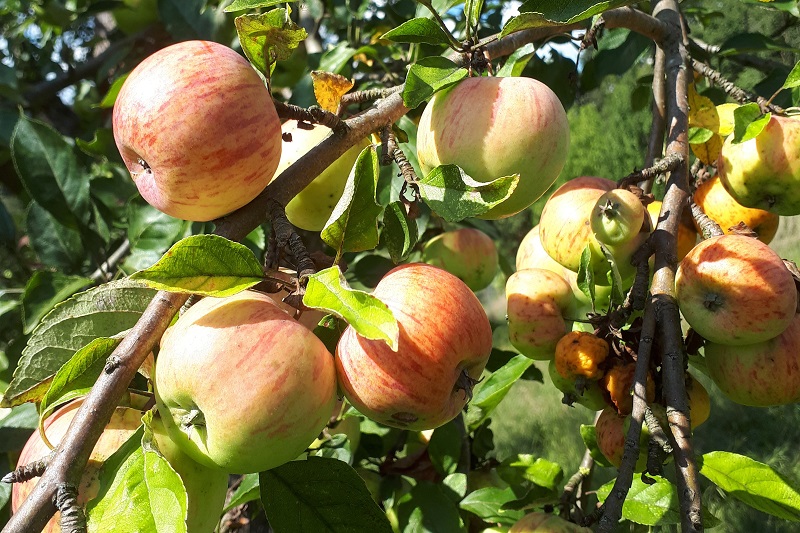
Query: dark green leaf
pixel 487 503
pixel 418 30
pixel 187 19
pixel 748 122
pixel 150 234
pixel 241 5
pixel 269 37
pixel 752 42
pixel 793 79
pixel 490 392
pixel 538 13
pixel 204 264
pixel 43 291
pixel 444 448
pixel 321 495
pixel 428 509
pixel 8 232
pixel 56 244
pixel 16 427
pixel 454 196
pixel 429 75
pixel 399 231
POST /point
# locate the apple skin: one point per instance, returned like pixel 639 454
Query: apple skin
pixel 761 374
pixel 467 253
pixel 699 401
pixel 722 208
pixel 735 290
pixel 611 430
pixel 687 234
pixel 493 127
pixel 537 302
pixel 204 123
pixel 617 217
pixel 206 488
pixel 764 172
pixel 546 523
pixel 242 362
pixel 416 387
pixel 312 207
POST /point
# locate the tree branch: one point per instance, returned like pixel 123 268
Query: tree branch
pixel 737 93
pixel 655 144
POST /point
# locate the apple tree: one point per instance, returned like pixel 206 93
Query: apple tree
pixel 279 266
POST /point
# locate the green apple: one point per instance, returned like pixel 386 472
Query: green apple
pixel 467 253
pixel 590 397
pixel 617 217
pixel 312 207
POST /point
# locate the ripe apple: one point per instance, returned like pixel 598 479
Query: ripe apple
pixel 722 208
pixel 617 217
pixel 445 341
pixel 764 172
pixel 735 290
pixel 537 302
pixel 467 253
pixel 611 430
pixel 760 374
pixel 546 523
pixel 241 385
pixel 699 401
pixel 197 129
pixel 312 207
pixel 205 488
pixel 687 235
pixel 493 127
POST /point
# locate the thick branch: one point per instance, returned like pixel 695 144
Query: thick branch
pixel 635 20
pixel 655 144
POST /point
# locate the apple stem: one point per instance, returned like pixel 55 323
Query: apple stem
pixel 29 471
pixel 73 519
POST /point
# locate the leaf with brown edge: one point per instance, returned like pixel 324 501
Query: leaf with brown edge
pixel 329 89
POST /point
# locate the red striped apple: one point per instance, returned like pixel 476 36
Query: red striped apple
pixel 197 129
pixel 445 341
pixel 467 253
pixel 735 290
pixel 241 385
pixel 493 127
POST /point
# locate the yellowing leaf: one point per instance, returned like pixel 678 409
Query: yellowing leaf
pixel 702 111
pixel 329 88
pixel 708 152
pixel 726 121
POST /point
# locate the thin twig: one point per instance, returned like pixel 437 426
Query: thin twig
pixel 668 164
pixel 737 93
pixel 312 115
pixel 104 271
pixel 708 227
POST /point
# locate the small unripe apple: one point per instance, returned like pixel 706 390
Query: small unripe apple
pixel 493 127
pixel 735 290
pixel 198 130
pixel 312 207
pixel 617 217
pixel 687 235
pixel 205 488
pixel 444 343
pixel 241 385
pixel 764 172
pixel 467 253
pixel 723 209
pixel 761 374
pixel 546 523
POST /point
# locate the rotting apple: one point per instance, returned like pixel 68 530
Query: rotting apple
pixel 723 209
pixel 312 207
pixel 735 290
pixel 687 235
pixel 242 362
pixel 197 129
pixel 441 352
pixel 761 374
pixel 467 253
pixel 205 488
pixel 537 302
pixel 764 172
pixel 546 523
pixel 493 127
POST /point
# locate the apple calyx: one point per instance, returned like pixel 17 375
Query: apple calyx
pixel 713 302
pixel 466 383
pixel 192 418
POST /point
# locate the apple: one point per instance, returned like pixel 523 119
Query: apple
pixel 198 130
pixel 241 385
pixel 467 253
pixel 537 302
pixel 546 523
pixel 687 235
pixel 493 127
pixel 617 217
pixel 618 385
pixel 764 172
pixel 735 290
pixel 308 317
pixel 611 430
pixel 760 374
pixel 699 401
pixel 444 343
pixel 312 207
pixel 590 397
pixel 722 208
pixel 205 488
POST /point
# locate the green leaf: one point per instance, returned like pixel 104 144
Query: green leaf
pixel 516 62
pixel 698 135
pixel 78 374
pixel 748 122
pixel 48 168
pixel 525 467
pixel 320 495
pixel 487 503
pixel 241 5
pixel 247 491
pixel 444 448
pixel 589 436
pixel 399 231
pixel 16 427
pixel 336 58
pixel 353 224
pixel 753 483
pixel 418 30
pixel 43 291
pixel 472 11
pixel 491 391
pixel 743 43
pixel 111 96
pixel 457 483
pixel 187 19
pixel 269 37
pixel 428 508
pixel 143 493
pixel 8 231
pixel 150 234
pixel 204 264
pixel 56 244
pixel 454 195
pixel 428 76
pixel 327 290
pixel 538 13
pixel 586 281
pixel 101 311
pixel 793 79
pixel 617 296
